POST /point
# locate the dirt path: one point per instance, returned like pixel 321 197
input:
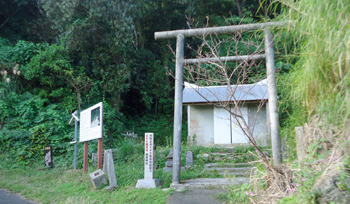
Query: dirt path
pixel 195 196
pixel 9 198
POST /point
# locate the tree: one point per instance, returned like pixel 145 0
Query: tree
pixel 52 68
pixel 24 20
pixel 97 35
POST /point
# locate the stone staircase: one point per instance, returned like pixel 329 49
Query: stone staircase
pixel 226 157
pixel 229 169
pixel 230 157
pixel 237 173
pixel 229 164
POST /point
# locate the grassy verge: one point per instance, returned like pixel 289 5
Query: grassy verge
pixel 61 186
pixel 64 185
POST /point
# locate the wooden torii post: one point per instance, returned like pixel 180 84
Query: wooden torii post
pixel 180 61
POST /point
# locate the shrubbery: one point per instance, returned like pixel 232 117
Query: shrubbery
pixel 31 124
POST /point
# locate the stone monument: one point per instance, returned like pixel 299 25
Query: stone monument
pixel 108 168
pixel 148 181
pixel 94 159
pixel 169 163
pixel 98 178
pixel 189 158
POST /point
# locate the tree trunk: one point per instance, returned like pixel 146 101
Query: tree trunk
pixel 239 9
pixel 79 100
pixel 116 102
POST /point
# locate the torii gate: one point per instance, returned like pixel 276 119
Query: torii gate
pixel 180 61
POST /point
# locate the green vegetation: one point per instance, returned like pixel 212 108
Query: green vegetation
pixel 314 92
pixel 61 56
pixel 70 55
pixel 64 185
pixel 318 82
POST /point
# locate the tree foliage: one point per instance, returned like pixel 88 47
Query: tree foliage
pixel 74 53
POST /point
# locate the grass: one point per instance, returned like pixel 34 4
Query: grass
pixel 64 185
pixel 318 81
pixel 61 186
pixel 317 84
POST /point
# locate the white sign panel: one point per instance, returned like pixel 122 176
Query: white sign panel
pixel 148 155
pixel 91 123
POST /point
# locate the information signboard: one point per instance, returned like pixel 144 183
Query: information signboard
pixel 91 123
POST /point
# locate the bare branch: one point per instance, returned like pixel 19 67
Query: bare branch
pixel 8 19
pixel 211 69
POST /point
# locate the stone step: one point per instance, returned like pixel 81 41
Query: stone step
pixel 232 148
pixel 219 156
pixel 230 165
pixel 170 169
pixel 209 182
pixel 226 157
pixel 238 174
pixel 230 169
pixel 238 169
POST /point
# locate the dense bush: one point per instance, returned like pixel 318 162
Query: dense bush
pixel 30 124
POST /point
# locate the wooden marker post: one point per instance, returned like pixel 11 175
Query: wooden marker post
pixel 99 153
pixel 86 157
pixel 48 156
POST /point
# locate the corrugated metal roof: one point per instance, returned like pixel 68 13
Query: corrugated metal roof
pixel 245 92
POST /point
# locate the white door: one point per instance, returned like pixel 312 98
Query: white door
pixel 238 135
pixel 226 128
pixel 222 126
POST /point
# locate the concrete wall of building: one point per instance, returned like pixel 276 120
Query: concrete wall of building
pixel 258 124
pixel 201 124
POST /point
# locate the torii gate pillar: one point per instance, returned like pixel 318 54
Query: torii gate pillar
pixel 178 108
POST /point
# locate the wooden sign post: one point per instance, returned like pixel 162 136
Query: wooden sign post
pixel 99 153
pixel 86 157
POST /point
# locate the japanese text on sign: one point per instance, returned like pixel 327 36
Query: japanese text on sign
pixel 149 155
